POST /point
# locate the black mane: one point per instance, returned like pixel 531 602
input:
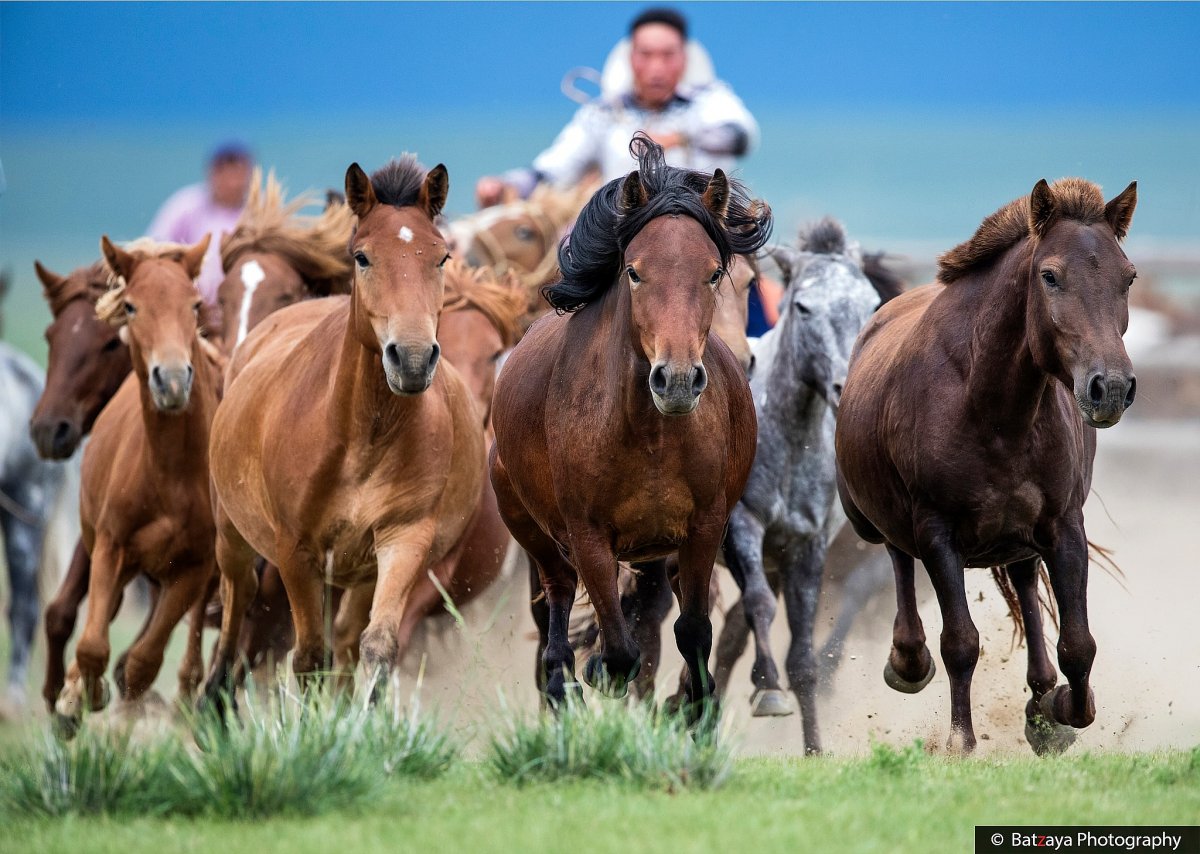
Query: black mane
pixel 590 257
pixel 399 182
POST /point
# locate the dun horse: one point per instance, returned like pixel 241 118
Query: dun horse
pixel 624 430
pixel 966 436
pixel 380 472
pixel 144 503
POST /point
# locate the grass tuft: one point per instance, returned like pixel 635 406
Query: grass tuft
pixel 630 744
pixel 896 762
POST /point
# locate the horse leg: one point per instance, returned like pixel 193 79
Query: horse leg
pixel 619 661
pixel 1072 704
pixel 267 631
pixel 735 633
pixel 960 638
pixel 191 669
pixel 352 618
pixel 85 688
pixel 693 628
pixel 744 557
pixel 801 593
pixel 23 548
pixel 61 614
pixel 861 585
pixel 646 610
pixel 175 600
pixel 239 581
pixel 909 666
pixel 1043 735
pixel 152 593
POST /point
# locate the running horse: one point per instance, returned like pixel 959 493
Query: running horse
pixel 381 469
pixel 624 429
pixel 967 431
pixel 144 499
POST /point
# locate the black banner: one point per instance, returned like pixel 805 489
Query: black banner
pixel 1090 840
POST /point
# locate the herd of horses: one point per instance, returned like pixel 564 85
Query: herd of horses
pixel 359 430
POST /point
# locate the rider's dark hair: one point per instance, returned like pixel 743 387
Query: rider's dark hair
pixel 661 15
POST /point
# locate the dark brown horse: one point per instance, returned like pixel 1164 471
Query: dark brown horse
pixel 144 499
pixel 624 429
pixel 966 436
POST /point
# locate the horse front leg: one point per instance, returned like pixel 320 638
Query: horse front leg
pixel 909 666
pixel 801 593
pixel 235 560
pixel 693 628
pixel 61 615
pixel 744 557
pixel 1072 704
pixel 618 663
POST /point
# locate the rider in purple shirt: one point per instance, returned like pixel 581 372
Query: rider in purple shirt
pixel 212 207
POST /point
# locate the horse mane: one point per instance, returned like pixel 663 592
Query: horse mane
pixel 313 246
pixel 398 182
pixel 110 307
pixel 560 206
pixel 88 283
pixel 590 256
pixel 825 237
pixel 500 299
pixel 1074 198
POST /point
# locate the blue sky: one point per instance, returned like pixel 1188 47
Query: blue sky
pixel 115 63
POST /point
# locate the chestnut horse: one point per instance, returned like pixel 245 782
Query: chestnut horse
pixel 966 436
pixel 624 429
pixel 144 500
pixel 380 469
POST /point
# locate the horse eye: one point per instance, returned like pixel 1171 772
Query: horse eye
pixel 361 260
pixel 523 232
pixel 716 277
pixel 196 307
pixel 802 308
pixel 1048 278
pixel 130 311
pixel 495 357
pixel 633 277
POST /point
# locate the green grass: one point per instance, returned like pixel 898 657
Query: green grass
pixel 890 800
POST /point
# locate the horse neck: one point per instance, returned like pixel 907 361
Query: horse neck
pixel 785 392
pixel 1004 383
pixel 178 442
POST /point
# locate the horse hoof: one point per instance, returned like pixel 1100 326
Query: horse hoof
pixel 597 676
pixel 1046 737
pixel 898 683
pixel 770 703
pixel 65 727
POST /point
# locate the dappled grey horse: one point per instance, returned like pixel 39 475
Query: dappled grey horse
pixel 787 515
pixel 29 488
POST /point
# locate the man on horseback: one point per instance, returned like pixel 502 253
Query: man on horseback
pixel 702 127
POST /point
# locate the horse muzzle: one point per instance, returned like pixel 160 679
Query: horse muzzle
pixel 410 368
pixel 677 390
pixel 55 438
pixel 1104 397
pixel 171 387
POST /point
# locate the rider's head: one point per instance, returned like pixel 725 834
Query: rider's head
pixel 658 39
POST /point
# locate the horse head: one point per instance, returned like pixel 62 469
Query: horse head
pixel 398 255
pixel 1078 307
pixel 159 312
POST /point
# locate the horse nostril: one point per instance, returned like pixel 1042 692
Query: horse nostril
pixel 156 376
pixel 391 355
pixel 1096 390
pixel 1129 395
pixel 753 361
pixel 837 389
pixel 61 430
pixel 190 372
pixel 434 354
pixel 658 380
pixel 699 381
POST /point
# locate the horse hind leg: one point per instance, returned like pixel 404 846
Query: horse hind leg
pixel 645 608
pixel 1043 734
pixel 235 559
pixel 22 546
pixel 909 666
pixel 744 557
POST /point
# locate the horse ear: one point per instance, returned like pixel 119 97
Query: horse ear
pixel 434 190
pixel 193 259
pixel 787 259
pixel 50 280
pixel 716 195
pixel 633 193
pixel 1041 208
pixel 1119 212
pixel 360 195
pixel 119 261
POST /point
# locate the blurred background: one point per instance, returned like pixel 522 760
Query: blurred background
pixel 909 122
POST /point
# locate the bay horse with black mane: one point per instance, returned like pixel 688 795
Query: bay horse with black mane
pixel 966 436
pixel 624 429
pixel 381 470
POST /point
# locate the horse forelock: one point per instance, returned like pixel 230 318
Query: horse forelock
pixel 590 257
pixel 1074 199
pixel 398 182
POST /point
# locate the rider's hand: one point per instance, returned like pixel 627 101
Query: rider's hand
pixel 489 190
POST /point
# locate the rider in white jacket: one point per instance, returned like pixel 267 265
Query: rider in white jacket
pixel 701 127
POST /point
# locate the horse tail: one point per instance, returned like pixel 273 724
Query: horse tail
pixel 61 531
pixel 1097 555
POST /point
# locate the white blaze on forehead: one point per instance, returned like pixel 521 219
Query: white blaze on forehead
pixel 252 275
pixel 406 234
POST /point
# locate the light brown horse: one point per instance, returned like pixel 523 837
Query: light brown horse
pixel 380 470
pixel 625 431
pixel 144 500
pixel 966 435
